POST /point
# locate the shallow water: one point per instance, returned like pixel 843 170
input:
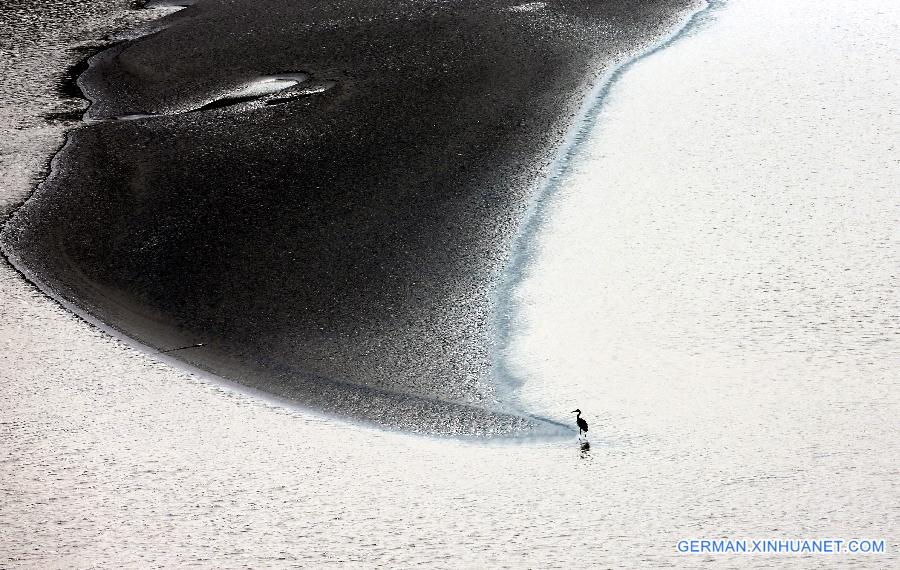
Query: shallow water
pixel 711 414
pixel 716 277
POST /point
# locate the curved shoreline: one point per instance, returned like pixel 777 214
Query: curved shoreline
pixel 432 418
pixel 524 242
pixel 519 428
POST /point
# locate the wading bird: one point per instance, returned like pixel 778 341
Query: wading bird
pixel 582 425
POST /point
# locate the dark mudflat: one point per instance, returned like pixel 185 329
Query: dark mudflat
pixel 338 246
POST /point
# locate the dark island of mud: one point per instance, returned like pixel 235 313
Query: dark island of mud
pixel 324 194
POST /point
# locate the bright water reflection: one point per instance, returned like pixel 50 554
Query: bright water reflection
pixel 716 274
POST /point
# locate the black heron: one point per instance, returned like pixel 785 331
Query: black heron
pixel 582 425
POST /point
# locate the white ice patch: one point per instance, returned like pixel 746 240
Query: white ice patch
pixel 168 6
pixel 529 7
pixel 267 86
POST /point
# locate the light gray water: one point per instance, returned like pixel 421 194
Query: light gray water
pixel 716 276
pixel 715 285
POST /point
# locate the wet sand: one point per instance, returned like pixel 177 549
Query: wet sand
pixel 339 242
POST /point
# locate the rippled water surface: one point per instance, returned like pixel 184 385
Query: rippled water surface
pixel 716 276
pixel 714 284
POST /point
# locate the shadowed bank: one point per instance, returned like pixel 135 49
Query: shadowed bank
pixel 337 240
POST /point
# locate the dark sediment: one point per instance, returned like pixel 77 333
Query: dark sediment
pixel 340 247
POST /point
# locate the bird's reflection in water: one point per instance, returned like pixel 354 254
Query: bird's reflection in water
pixel 585 449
